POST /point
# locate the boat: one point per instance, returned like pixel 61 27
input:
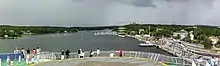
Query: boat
pixel 96 33
pixel 121 36
pixel 146 45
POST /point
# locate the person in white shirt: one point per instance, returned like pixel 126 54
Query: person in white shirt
pixel 216 61
pixel 12 62
pixel 111 54
pixel 38 50
pixel 16 51
pixel 98 52
pixel 28 58
pixel 8 61
pixel 82 55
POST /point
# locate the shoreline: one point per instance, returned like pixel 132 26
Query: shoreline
pixel 22 36
pixel 156 45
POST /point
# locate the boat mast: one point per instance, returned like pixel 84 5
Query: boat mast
pixel 149 29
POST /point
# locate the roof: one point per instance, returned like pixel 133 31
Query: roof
pixel 182 31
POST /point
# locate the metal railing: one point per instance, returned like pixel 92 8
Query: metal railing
pixel 132 54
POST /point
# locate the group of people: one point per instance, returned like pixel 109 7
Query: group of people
pixel 81 54
pixel 63 53
pixel 91 53
pixel 211 62
pixel 29 55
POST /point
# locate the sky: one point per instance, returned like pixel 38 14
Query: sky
pixel 109 12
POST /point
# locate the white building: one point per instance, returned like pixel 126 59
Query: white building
pixel 191 35
pixel 140 30
pixel 183 34
pixel 213 39
pixel 122 30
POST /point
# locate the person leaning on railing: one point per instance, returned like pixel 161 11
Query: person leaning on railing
pixel 111 54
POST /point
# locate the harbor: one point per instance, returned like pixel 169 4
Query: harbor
pixel 134 51
pixel 162 50
pixel 178 49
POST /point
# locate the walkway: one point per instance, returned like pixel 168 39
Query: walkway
pixel 102 61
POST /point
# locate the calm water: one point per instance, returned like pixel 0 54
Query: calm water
pixel 85 40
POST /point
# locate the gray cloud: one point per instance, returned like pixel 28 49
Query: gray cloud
pixel 144 3
pixel 108 12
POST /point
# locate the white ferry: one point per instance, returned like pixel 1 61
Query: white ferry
pixel 147 44
pixel 122 36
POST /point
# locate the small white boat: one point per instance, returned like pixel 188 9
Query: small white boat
pixel 121 35
pixel 146 45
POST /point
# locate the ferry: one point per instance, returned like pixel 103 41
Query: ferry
pixel 122 36
pixel 146 44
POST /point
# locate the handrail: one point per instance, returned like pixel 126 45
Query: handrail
pixel 135 54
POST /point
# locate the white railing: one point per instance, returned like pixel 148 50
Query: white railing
pixel 132 54
pixel 179 61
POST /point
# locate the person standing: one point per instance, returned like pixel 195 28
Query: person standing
pixel 82 55
pixel 38 50
pixel 212 61
pixel 216 61
pixel 33 53
pixel 8 61
pixel 62 55
pixel 111 54
pixel 15 50
pixel 91 53
pixel 98 52
pixel 23 53
pixel 79 52
pixel 28 51
pixel 67 54
pixel 120 53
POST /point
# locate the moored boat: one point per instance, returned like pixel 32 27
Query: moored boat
pixel 146 45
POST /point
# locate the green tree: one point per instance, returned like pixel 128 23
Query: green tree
pixel 201 37
pixel 177 37
pixel 207 43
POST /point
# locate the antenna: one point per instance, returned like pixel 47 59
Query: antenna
pixel 149 30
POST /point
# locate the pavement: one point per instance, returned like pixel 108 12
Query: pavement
pixel 102 61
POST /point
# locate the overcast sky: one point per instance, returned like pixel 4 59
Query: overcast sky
pixel 108 12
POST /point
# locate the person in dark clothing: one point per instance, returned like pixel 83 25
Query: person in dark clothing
pixel 79 52
pixel 28 51
pixel 91 53
pixel 62 54
pixel 67 54
pixel 22 53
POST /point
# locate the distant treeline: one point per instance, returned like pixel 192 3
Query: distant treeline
pixel 95 28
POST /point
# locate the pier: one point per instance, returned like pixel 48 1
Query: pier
pixel 105 33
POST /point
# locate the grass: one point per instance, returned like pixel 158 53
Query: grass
pixel 16 63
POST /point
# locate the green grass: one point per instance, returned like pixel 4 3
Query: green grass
pixel 16 63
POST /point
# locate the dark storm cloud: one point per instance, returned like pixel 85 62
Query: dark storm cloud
pixel 108 12
pixel 144 3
